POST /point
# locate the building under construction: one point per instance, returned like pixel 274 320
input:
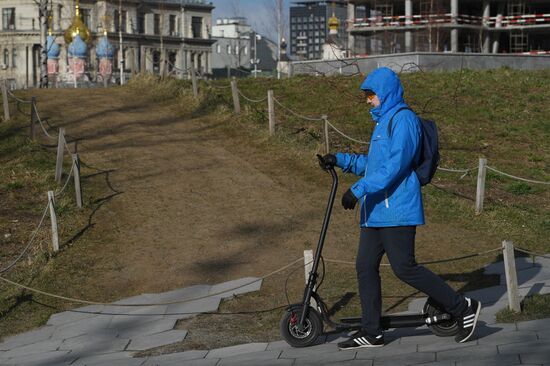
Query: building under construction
pixel 482 26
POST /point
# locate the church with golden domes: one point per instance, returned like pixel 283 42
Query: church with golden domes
pixel 105 41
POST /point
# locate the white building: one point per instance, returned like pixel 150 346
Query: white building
pixel 239 50
pixel 175 31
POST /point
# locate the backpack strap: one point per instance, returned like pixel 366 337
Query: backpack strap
pixel 391 119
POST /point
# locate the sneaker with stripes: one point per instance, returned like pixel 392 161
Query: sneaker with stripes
pixel 360 340
pixel 467 322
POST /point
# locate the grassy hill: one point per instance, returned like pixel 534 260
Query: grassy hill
pixel 501 115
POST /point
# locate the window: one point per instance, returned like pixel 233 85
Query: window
pixel 219 49
pixel 6 57
pixel 120 21
pixel 8 18
pixel 86 17
pixel 156 24
pixel 14 57
pixel 236 50
pixel 172 22
pixel 196 27
pixel 228 49
pixel 141 23
pixel 245 50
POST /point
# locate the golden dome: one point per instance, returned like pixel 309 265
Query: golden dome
pixel 77 27
pixel 333 23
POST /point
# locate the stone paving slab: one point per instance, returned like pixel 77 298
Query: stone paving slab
pixel 258 357
pixel 254 286
pixel 96 323
pixel 187 293
pixel 405 359
pixel 192 307
pixel 33 336
pixel 39 347
pixel 525 347
pixel 497 360
pixel 51 358
pixel 156 340
pixel 147 328
pixel 174 357
pixel 236 350
pixel 106 358
pixel 327 358
pixel 535 357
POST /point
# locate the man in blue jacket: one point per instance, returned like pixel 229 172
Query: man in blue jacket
pixel 391 208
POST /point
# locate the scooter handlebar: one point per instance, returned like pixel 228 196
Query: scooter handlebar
pixel 324 165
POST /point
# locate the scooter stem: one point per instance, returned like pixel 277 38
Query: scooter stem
pixel 312 280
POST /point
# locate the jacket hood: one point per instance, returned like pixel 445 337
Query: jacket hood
pixel 386 85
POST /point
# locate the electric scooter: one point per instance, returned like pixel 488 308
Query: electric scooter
pixel 302 323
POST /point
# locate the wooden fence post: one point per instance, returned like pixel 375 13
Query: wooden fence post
pixel 194 80
pixel 33 115
pixel 77 187
pixel 53 217
pixel 235 93
pixel 327 143
pixel 308 266
pixel 5 100
pixel 511 275
pixel 481 174
pixel 271 112
pixel 60 150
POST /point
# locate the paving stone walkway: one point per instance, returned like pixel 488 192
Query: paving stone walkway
pixel 108 338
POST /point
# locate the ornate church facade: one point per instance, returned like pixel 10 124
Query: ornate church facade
pixel 85 39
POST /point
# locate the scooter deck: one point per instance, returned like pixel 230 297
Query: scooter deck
pixel 396 321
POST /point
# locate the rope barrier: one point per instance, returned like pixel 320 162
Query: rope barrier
pixel 531 253
pixel 220 86
pixel 251 100
pixel 42 125
pixel 57 194
pixel 88 302
pixel 67 148
pixel 428 262
pixel 296 114
pixel 8 267
pixel 18 99
pixel 518 178
pixel 344 135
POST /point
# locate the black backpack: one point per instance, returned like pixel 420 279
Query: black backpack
pixel 429 149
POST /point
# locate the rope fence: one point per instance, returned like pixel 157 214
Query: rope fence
pixel 72 175
pixel 33 236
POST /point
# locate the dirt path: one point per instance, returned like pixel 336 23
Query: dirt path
pixel 191 211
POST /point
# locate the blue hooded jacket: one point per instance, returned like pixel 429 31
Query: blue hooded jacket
pixel 389 190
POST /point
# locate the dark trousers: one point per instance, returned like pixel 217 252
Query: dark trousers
pixel 398 244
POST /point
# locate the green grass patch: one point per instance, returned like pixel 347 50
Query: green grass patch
pixel 532 307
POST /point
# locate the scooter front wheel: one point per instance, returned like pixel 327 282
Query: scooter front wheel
pixel 309 332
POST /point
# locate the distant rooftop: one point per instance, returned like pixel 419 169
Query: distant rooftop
pixel 184 2
pixel 314 2
pixel 233 20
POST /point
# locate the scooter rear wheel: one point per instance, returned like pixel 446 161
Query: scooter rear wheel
pixel 446 328
pixel 308 335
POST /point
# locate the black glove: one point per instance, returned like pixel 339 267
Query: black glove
pixel 349 200
pixel 327 162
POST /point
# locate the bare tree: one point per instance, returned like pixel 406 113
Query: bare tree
pixel 274 25
pixel 43 15
pixel 236 8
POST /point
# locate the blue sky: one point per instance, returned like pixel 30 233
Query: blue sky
pixel 256 11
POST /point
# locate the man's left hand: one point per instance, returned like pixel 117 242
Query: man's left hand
pixel 349 200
